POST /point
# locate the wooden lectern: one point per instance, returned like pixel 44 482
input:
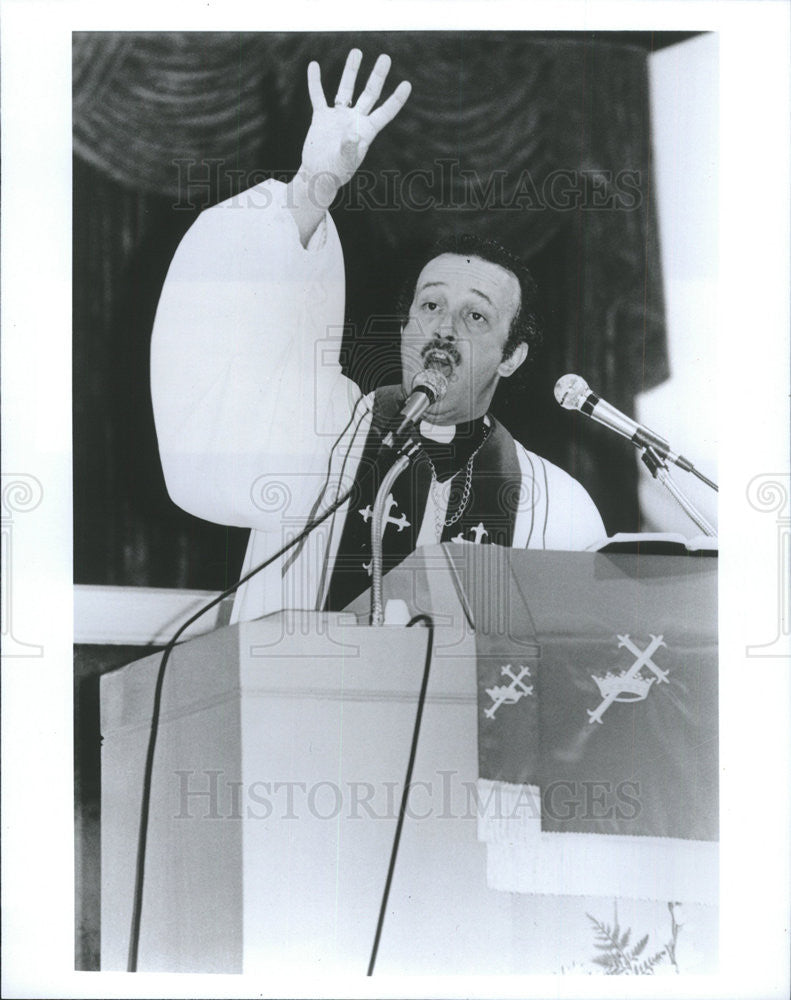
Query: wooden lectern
pixel 280 763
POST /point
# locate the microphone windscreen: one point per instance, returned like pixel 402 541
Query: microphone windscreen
pixel 571 390
pixel 432 380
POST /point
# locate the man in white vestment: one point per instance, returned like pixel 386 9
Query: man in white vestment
pixel 258 426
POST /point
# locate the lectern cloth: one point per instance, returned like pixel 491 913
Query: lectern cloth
pixel 598 739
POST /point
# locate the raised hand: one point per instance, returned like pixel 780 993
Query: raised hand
pixel 340 136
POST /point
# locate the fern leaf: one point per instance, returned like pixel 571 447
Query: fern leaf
pixel 603 934
pixel 647 967
pixel 639 947
pixel 623 943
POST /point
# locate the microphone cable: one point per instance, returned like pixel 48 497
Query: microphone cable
pixel 429 622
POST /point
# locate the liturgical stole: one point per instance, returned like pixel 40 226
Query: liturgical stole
pixel 487 518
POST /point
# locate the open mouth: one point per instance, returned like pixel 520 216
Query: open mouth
pixel 443 357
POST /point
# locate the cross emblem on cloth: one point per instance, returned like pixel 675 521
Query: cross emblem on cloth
pixel 508 694
pixel 629 685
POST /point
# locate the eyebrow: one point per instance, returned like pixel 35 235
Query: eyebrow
pixel 444 284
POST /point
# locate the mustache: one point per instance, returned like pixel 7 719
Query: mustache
pixel 441 353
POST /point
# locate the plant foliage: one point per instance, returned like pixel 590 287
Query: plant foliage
pixel 618 957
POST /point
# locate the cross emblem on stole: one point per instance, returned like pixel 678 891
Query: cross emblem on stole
pixel 400 522
pixel 478 533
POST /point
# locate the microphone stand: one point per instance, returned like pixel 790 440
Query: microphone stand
pixel 406 453
pixel 658 468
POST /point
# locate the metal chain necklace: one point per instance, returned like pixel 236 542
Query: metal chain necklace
pixel 441 493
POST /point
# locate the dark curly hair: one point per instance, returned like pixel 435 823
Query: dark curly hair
pixel 525 325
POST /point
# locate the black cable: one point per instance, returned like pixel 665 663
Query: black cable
pixel 407 782
pixel 142 838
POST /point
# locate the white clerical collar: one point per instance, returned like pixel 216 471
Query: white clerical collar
pixel 441 433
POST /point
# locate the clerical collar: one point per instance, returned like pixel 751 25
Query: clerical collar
pixel 441 433
pixel 449 447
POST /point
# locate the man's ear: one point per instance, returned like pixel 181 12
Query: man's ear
pixel 513 361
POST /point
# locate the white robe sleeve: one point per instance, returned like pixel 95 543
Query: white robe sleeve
pixel 572 520
pixel 555 511
pixel 247 388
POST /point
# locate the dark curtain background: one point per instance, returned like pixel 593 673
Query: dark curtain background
pixel 540 141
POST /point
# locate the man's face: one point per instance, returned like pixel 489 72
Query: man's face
pixel 462 308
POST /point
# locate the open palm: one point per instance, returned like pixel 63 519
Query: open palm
pixel 340 136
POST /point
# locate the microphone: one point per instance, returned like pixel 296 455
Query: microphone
pixel 428 386
pixel 574 393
